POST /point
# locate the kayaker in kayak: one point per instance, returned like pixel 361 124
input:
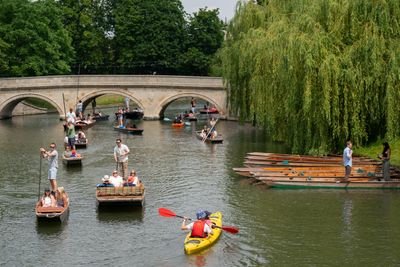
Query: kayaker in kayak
pixel 199 228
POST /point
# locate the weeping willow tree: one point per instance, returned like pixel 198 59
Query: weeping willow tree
pixel 315 73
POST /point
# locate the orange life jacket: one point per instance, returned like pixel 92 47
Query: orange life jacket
pixel 198 229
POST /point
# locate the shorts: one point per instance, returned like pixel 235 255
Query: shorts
pixel 52 174
pixel 348 170
pixel 71 142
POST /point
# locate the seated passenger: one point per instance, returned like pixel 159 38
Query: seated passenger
pixel 48 199
pixel 204 132
pixel 81 135
pixel 133 180
pixel 199 228
pixel 61 197
pixel 67 152
pixel 116 180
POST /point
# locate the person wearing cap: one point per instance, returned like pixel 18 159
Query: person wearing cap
pixel 52 157
pixel 121 152
pixel 199 228
pixel 48 199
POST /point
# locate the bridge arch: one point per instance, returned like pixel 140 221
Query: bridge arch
pixel 89 97
pixel 162 106
pixel 7 107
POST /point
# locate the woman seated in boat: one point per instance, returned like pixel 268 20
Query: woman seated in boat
pixel 204 132
pixel 133 180
pixel 116 180
pixel 67 152
pixel 48 199
pixel 213 134
pixel 61 197
pixel 199 228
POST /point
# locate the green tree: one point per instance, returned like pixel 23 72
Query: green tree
pixel 149 35
pixel 33 39
pixel 316 73
pixel 205 37
pixel 88 23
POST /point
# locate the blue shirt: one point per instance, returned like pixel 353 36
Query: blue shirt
pixel 347 158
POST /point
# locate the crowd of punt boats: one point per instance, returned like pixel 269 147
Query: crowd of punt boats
pixel 298 171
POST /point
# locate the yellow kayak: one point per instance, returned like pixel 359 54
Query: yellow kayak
pixel 196 244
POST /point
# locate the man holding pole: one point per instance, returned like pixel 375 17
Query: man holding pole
pixel 121 152
pixel 52 156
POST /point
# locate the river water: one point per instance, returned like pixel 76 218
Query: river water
pixel 277 227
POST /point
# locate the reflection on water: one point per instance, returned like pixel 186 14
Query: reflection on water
pixel 277 227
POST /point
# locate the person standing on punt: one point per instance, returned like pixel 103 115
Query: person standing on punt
pixel 385 157
pixel 52 156
pixel 348 160
pixel 193 104
pixel 121 152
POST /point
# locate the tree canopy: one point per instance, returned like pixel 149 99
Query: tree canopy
pixel 316 73
pixel 33 39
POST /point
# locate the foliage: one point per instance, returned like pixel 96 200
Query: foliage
pixel 376 148
pixel 87 22
pixel 33 40
pixel 149 35
pixel 205 36
pixel 316 73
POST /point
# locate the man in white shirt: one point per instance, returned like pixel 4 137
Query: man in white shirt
pixel 70 116
pixel 121 152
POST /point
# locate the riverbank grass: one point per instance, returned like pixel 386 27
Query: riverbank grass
pixel 374 149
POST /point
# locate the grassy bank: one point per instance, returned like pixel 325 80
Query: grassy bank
pixel 376 148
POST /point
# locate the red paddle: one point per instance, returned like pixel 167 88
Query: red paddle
pixel 168 213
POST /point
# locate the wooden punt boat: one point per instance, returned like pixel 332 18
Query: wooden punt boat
pixel 188 118
pixel 217 140
pixel 72 160
pixel 339 157
pixel 81 143
pixel 129 130
pixel 311 159
pixel 121 196
pixel 81 125
pixel 178 125
pixel 99 117
pixel 52 214
pixel 195 244
pixel 333 185
pixel 208 111
pixel 253 163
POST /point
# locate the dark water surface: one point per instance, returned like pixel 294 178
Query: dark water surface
pixel 277 227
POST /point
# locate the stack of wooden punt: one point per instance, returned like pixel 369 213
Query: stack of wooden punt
pixel 298 171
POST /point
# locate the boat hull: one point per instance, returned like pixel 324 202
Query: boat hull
pixel 129 130
pixel 217 140
pixel 333 185
pixel 193 244
pixel 120 196
pixel 56 214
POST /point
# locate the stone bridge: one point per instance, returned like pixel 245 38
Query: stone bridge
pixel 152 93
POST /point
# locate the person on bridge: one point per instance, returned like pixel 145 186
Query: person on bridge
pixel 121 152
pixel 199 228
pixel 52 156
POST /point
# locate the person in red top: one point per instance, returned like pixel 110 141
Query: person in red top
pixel 199 228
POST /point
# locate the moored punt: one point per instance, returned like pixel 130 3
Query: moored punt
pixel 191 118
pixel 69 161
pixel 81 125
pixel 196 244
pixel 334 185
pixel 81 143
pixel 311 159
pixel 52 214
pixel 216 140
pixel 121 196
pixel 129 130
